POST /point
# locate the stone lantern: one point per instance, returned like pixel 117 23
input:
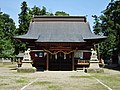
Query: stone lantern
pixel 26 63
pixel 94 63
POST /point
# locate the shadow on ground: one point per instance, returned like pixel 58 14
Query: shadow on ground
pixel 113 67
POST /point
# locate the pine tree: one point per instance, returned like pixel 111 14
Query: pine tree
pixel 24 19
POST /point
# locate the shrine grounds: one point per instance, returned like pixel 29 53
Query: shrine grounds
pixel 10 79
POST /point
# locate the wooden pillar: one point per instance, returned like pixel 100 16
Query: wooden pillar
pixel 47 67
pixel 73 61
pixel 98 52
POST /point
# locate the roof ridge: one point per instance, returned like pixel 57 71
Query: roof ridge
pixel 59 18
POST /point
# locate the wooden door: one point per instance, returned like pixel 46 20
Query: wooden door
pixel 61 62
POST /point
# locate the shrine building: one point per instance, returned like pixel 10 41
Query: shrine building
pixel 60 42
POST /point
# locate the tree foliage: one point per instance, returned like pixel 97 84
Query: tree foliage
pixel 24 19
pixel 37 11
pixel 109 24
pixel 7 31
pixel 61 13
pixel 8 46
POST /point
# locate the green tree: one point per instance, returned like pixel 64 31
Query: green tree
pixel 43 11
pixel 7 31
pixel 97 27
pixel 35 11
pixel 49 13
pixel 61 13
pixel 109 24
pixel 24 21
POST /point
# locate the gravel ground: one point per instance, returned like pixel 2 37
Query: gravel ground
pixel 49 80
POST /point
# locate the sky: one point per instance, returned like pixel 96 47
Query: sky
pixel 73 7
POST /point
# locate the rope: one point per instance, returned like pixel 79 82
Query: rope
pixel 59 51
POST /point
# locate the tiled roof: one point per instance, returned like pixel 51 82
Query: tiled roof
pixel 66 30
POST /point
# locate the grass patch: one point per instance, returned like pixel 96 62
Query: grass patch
pixel 47 84
pixel 112 81
pixel 21 81
pixel 26 70
pixel 54 87
pixel 42 83
pixel 80 76
pixel 1 65
pixel 97 86
pixel 3 84
pixel 3 77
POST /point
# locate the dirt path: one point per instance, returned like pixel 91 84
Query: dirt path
pixel 62 80
pixel 49 80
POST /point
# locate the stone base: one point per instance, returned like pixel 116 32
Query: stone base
pixel 26 67
pixel 94 67
pixel 94 64
pixel 94 70
pixel 26 70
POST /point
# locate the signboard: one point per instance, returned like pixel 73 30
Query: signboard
pixel 78 54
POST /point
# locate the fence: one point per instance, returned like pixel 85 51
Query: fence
pixel 6 60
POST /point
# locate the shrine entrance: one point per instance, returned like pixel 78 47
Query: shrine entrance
pixel 60 62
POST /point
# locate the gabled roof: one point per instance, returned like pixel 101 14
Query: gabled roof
pixel 59 29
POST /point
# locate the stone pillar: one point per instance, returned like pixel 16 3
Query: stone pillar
pixel 94 64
